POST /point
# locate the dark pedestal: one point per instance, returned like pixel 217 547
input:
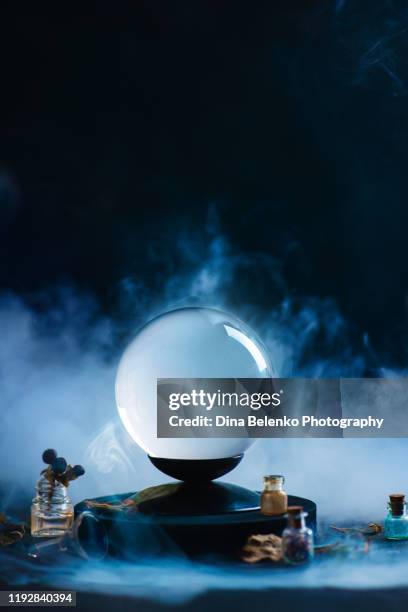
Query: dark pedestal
pixel 196 470
pixel 209 519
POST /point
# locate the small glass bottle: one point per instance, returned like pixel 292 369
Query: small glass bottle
pixel 274 500
pixel 52 512
pixel 396 522
pixel 297 539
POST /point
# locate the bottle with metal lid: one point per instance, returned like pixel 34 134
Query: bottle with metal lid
pixel 274 500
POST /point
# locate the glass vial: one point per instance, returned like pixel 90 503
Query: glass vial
pixel 297 539
pixel 396 522
pixel 52 512
pixel 274 500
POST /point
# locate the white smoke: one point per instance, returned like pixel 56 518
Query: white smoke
pixel 57 373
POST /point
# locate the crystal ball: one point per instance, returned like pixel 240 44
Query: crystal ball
pixel 185 343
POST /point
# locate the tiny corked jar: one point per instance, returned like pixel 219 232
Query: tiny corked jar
pixel 297 538
pixel 52 512
pixel 396 522
pixel 274 500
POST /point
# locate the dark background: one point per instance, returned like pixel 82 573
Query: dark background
pixel 121 124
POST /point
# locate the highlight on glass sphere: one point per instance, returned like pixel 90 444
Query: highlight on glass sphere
pixel 185 343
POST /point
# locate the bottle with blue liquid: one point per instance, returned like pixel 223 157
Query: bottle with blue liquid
pixel 396 522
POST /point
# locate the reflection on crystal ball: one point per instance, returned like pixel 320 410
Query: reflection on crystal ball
pixel 185 343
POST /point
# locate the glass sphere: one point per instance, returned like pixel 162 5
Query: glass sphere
pixel 185 343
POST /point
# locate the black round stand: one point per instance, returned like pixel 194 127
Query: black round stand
pixel 208 519
pixel 196 517
pixel 196 470
pixel 206 498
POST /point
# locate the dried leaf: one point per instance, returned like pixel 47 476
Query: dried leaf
pixel 131 503
pixel 10 532
pixel 154 493
pixel 376 528
pixel 104 505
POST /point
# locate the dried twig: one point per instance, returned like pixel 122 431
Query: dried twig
pixel 369 530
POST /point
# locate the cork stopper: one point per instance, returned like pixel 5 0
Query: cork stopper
pixel 294 511
pixel 296 516
pixel 397 501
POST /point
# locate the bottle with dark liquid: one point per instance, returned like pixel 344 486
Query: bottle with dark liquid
pixel 297 538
